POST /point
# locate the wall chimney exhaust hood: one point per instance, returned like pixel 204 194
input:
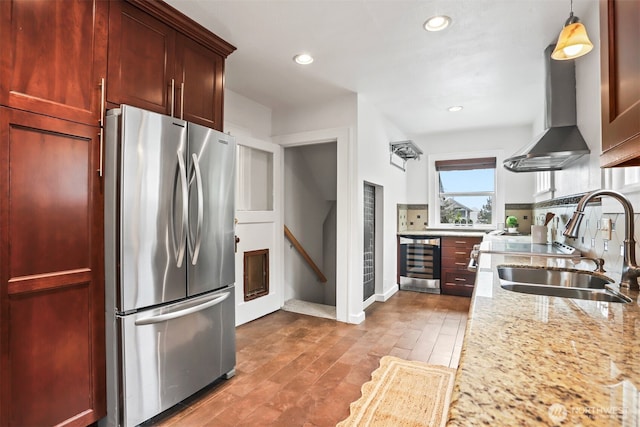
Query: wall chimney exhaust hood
pixel 561 143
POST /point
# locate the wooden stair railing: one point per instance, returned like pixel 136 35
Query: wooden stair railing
pixel 304 254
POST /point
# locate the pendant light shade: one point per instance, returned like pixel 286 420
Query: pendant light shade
pixel 573 41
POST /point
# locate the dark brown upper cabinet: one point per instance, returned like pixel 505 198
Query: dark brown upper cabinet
pixel 141 56
pixel 620 86
pixel 199 72
pixel 54 57
pixel 162 61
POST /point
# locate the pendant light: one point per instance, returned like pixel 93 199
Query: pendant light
pixel 573 41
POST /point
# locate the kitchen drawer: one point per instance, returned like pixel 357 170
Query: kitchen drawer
pixel 457 282
pixel 456 263
pixel 456 252
pixel 460 290
pixel 456 277
pixel 460 242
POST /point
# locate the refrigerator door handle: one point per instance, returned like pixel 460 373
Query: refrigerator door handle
pixel 181 313
pixel 195 251
pixel 179 249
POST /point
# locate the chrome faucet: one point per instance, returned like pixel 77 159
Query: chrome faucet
pixel 630 270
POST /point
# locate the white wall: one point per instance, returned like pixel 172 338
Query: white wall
pixel 243 115
pixel 341 112
pixel 375 133
pixel 585 175
pixel 519 186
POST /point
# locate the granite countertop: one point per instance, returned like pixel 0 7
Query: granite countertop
pixel 536 360
pixel 445 232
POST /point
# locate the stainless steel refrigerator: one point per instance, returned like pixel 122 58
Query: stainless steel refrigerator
pixel 169 261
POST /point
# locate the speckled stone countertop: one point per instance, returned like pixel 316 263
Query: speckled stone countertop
pixel 532 360
pixel 436 232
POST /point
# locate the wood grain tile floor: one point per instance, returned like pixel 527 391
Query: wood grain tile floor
pixel 297 370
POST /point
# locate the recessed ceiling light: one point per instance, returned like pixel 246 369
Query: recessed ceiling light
pixel 455 108
pixel 437 23
pixel 303 59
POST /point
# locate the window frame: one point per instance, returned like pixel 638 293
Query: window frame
pixel 434 185
pixel 625 180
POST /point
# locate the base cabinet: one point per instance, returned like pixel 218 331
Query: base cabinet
pixel 455 278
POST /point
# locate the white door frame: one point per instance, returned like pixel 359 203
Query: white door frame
pixel 349 293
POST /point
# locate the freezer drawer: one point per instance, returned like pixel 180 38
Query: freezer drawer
pixel 169 353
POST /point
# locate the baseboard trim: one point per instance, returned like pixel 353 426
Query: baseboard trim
pixel 388 294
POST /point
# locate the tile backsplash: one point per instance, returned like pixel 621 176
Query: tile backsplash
pixel 412 217
pixel 591 241
pixel 524 213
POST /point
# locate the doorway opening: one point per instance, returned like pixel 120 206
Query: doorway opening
pixel 310 216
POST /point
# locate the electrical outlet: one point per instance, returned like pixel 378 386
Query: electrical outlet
pixel 606 245
pixel 605 228
pixel 593 242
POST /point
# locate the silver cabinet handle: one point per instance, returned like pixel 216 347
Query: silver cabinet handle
pixel 182 101
pixel 180 243
pixel 196 247
pixel 181 313
pixel 173 95
pixel 102 91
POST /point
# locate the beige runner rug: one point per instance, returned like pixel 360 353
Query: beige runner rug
pixel 403 393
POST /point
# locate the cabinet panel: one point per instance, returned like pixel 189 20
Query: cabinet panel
pixel 620 86
pixel 48 376
pixel 200 71
pixel 49 191
pixel 53 57
pixel 141 59
pixel 51 286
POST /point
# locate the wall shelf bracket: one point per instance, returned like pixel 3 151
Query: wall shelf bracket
pixel 405 150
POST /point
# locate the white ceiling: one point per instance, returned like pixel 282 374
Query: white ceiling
pixel 490 60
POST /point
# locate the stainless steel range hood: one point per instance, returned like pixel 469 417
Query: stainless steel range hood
pixel 561 143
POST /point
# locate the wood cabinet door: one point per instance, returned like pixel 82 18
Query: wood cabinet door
pixel 620 74
pixel 141 60
pixel 53 57
pixel 200 73
pixel 52 364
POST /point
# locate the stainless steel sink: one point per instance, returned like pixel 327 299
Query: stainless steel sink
pixel 567 283
pixel 555 277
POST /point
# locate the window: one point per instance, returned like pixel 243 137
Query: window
pixel 254 179
pixel 545 182
pixel 466 191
